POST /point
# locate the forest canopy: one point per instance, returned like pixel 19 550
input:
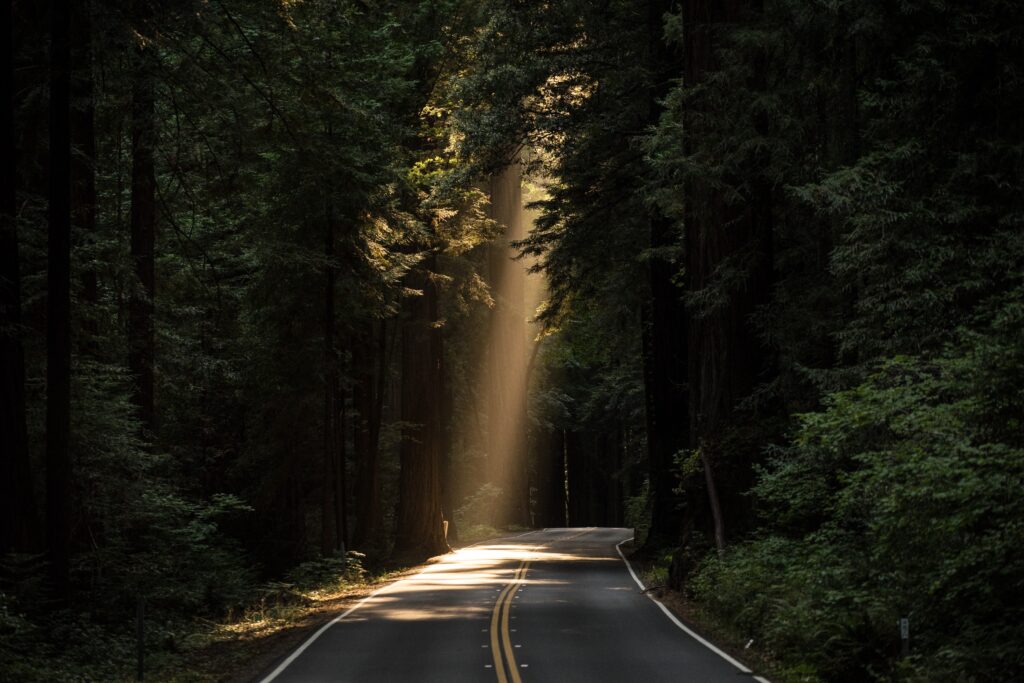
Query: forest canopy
pixel 294 290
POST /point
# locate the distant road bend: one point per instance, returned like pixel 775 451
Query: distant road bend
pixel 551 605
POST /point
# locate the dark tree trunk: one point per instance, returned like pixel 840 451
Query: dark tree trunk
pixel 141 340
pixel 664 335
pixel 366 356
pixel 704 217
pixel 83 161
pixel 341 477
pixel 18 521
pixel 613 481
pixel 328 485
pixel 551 478
pixel 726 358
pixel 420 532
pixel 58 303
pixel 716 505
pixel 447 469
pixel 576 479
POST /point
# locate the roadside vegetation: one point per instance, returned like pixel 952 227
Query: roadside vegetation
pixel 284 280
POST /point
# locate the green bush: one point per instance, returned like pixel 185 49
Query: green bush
pixel 479 508
pixel 901 498
pixel 333 571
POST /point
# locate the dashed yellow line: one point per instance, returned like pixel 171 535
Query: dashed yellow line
pixel 499 628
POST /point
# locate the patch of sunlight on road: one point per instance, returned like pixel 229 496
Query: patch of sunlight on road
pixel 478 572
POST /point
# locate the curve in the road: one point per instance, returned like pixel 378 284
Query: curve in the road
pixel 477 616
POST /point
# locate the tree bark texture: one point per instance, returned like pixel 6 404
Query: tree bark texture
pixel 18 517
pixel 83 162
pixel 368 359
pixel 420 531
pixel 58 302
pixel 550 449
pixel 329 533
pixel 141 338
pixel 726 359
pixel 664 334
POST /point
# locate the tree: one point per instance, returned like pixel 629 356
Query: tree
pixel 58 304
pixel 19 528
pixel 420 530
pixel 665 326
pixel 142 340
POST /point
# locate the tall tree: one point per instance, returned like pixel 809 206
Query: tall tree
pixel 420 529
pixel 369 363
pixel 58 306
pixel 664 326
pixel 83 169
pixel 18 530
pixel 729 261
pixel 330 497
pixel 141 333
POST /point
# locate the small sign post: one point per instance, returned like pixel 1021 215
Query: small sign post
pixel 904 636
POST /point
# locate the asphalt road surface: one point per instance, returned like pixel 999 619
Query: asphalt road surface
pixel 556 605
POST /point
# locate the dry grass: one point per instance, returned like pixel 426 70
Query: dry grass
pixel 245 646
pixel 242 648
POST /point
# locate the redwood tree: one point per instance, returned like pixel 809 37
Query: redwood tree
pixel 420 530
pixel 141 339
pixel 58 313
pixel 17 501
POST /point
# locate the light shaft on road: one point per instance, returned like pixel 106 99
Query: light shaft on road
pixel 548 605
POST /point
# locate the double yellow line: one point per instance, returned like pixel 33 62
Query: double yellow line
pixel 499 628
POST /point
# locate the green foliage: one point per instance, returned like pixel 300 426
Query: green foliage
pixel 479 508
pixel 910 482
pixel 637 514
pixel 879 142
pixel 325 571
pixel 881 136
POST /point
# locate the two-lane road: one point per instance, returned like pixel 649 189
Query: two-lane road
pixel 552 605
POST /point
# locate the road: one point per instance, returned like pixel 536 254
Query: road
pixel 557 605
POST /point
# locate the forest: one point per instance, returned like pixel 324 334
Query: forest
pixel 318 288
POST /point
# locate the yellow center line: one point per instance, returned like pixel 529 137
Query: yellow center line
pixel 499 622
pixel 500 637
pixel 509 654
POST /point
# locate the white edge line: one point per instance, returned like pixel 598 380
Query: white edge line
pixel 309 641
pixel 686 629
pixel 302 648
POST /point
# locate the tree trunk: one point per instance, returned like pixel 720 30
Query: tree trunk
pixel 341 477
pixel 420 532
pixel 18 521
pixel 327 482
pixel 141 341
pixel 366 426
pixel 551 478
pixel 716 506
pixel 447 470
pixel 664 335
pixel 575 474
pixel 83 162
pixel 727 358
pixel 58 303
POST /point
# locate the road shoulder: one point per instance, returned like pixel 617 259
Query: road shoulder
pixel 694 621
